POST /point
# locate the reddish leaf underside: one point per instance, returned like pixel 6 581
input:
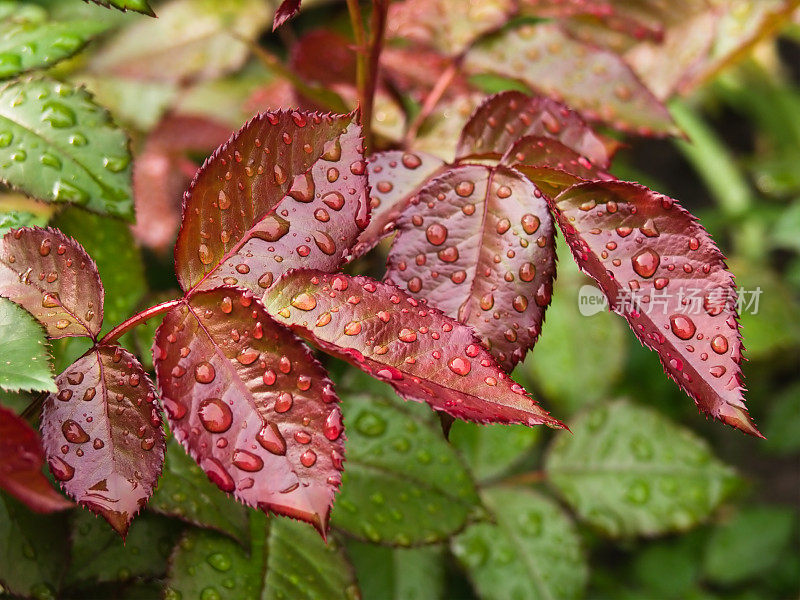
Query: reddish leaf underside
pixel 21 467
pixel 425 355
pixel 505 117
pixel 594 81
pixel 251 404
pixel 288 190
pixel 102 434
pixel 51 276
pixel 286 11
pixel 162 171
pixel 394 177
pixel 478 243
pixel 663 273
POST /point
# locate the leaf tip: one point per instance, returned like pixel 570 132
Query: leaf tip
pixel 740 419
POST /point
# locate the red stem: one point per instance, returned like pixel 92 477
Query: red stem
pixel 137 319
pixel 380 9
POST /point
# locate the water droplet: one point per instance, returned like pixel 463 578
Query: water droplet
pixel 649 228
pixel 520 303
pixel 303 188
pixel 247 461
pixel 219 561
pixel 411 161
pixel 60 469
pixel 414 285
pixel 271 439
pixel 527 272
pixel 247 356
pixel 370 424
pixel 333 200
pixel 464 188
pixel 215 415
pixel 436 234
pixel 324 242
pixel 460 366
pixel 58 114
pixel 226 305
pixel 284 402
pixel 449 254
pixel 304 301
pixel 719 344
pixel 487 302
pixel 333 425
pixel 530 223
pixel 682 326
pixel 645 262
pixel 503 225
pixel 73 432
pixel 218 475
pixel 407 335
pixel 352 328
pixel 308 458
pixel 204 253
pixel 50 300
pixel 717 371
pixel 271 228
pixel 204 372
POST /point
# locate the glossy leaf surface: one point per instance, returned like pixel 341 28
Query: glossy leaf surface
pixel 24 360
pixel 286 10
pixel 531 550
pixel 28 40
pixel 52 277
pixel 185 492
pixel 478 243
pixel 423 354
pixel 288 190
pixel 21 470
pixel 190 40
pixel 448 25
pixel 394 177
pixel 45 127
pixel 661 271
pixel 102 434
pixel 398 573
pixel 629 471
pixel 500 121
pixel 594 81
pixel 251 405
pixel 490 450
pixel 141 6
pixel 400 470
pixel 286 560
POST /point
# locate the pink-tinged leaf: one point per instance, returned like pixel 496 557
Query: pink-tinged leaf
pixel 594 81
pixel 415 70
pixel 663 273
pixel 447 25
pixel 478 243
pixel 501 120
pixel 394 177
pixel 163 170
pixel 21 467
pixel 550 165
pixel 251 404
pixel 286 11
pixel 51 276
pixel 288 190
pixel 425 355
pixel 102 434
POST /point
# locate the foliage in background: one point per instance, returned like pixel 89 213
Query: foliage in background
pixel 497 511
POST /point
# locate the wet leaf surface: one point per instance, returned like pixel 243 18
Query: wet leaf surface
pixel 21 470
pixel 289 190
pixel 661 271
pixel 424 355
pixel 398 574
pixel 530 550
pixel 24 360
pixel 629 471
pixel 478 243
pixel 251 405
pixel 490 450
pixel 286 10
pixel 103 436
pixel 51 276
pixel 400 470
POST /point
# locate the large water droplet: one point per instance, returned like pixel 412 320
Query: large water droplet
pixel 215 415
pixel 436 234
pixel 204 372
pixel 218 475
pixel 645 262
pixel 74 432
pixel 460 366
pixel 247 461
pixel 271 439
pixel 333 425
pixel 719 344
pixel 61 470
pixel 304 301
pixel 682 326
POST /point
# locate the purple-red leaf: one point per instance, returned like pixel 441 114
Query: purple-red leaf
pixel 394 177
pixel 478 243
pixel 425 355
pixel 286 11
pixel 162 171
pixel 594 81
pixel 21 467
pixel 504 118
pixel 102 434
pixel 51 276
pixel 550 164
pixel 251 404
pixel 663 273
pixel 288 190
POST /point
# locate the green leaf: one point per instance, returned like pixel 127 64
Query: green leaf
pixel 783 422
pixel 185 492
pixel 749 544
pixel 398 573
pixel 627 470
pixel 403 483
pixel 287 560
pixel 29 41
pixel 575 339
pixel 57 145
pixel 530 550
pixel 24 361
pixel 190 40
pixel 490 450
pixel 141 6
pixel 110 243
pixel 14 219
pixel 32 550
pixel 681 557
pixel 98 554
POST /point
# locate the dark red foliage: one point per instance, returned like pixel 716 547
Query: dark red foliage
pixel 102 434
pixel 286 11
pixel 251 404
pixel 21 468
